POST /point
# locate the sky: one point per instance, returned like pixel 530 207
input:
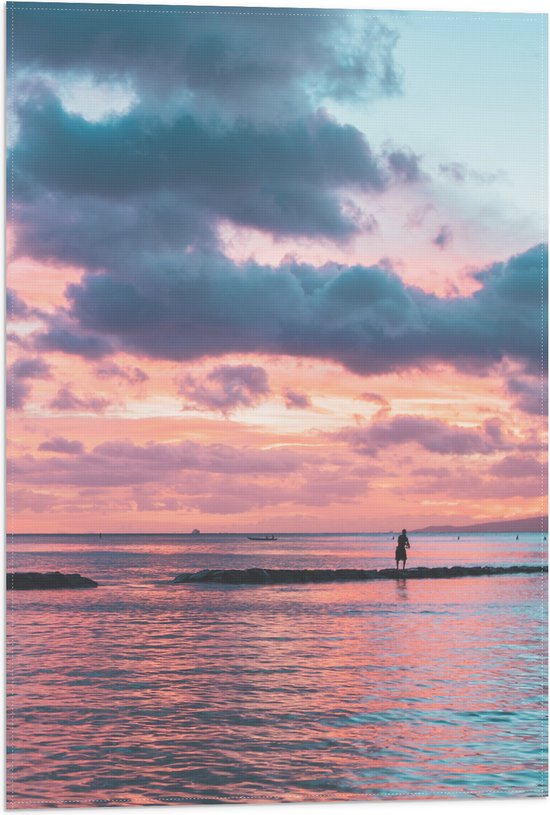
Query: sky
pixel 277 271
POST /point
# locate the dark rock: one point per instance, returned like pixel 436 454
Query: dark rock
pixel 258 576
pixel 183 578
pixel 27 581
pixel 205 576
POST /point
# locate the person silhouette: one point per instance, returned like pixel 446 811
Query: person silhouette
pixel 401 549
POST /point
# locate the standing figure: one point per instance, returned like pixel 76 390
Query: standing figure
pixel 401 549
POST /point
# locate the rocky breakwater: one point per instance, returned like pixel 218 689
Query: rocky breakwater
pixel 27 581
pixel 259 576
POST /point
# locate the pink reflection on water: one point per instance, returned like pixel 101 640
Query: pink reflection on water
pixel 170 693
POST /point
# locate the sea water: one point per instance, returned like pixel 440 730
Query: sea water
pixel 145 692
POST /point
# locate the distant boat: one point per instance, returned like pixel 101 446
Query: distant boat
pixel 196 532
pixel 262 538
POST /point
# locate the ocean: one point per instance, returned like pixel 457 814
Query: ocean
pixel 144 692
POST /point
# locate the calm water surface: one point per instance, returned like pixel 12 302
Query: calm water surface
pixel 142 692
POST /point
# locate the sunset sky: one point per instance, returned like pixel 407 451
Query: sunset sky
pixel 274 271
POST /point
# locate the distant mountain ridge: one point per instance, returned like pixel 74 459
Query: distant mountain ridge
pixel 537 524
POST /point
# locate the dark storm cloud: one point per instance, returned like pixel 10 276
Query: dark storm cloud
pixel 98 233
pixel 281 178
pixel 59 338
pixel 136 199
pixel 252 147
pixel 367 319
pixel 433 435
pixel 226 388
pixel 246 62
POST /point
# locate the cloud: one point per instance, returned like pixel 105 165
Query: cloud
pixel 86 230
pixel 110 370
pixel 463 484
pixel 281 177
pixel 23 500
pixel 416 217
pixel 455 170
pixel 60 445
pixel 405 165
pixel 431 472
pixel 261 63
pixel 67 400
pixel 226 388
pixel 460 172
pixel 16 339
pixel 433 435
pixel 518 467
pixel 218 122
pixel 30 368
pixel 443 237
pixel 17 393
pixel 293 399
pixel 59 338
pixel 121 463
pixel 365 318
pixel 132 197
pixel 374 398
pixel 530 393
pixel 240 496
pixel 18 375
pixel 15 306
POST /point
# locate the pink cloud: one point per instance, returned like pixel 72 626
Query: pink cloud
pixel 226 388
pixel 514 476
pixel 433 435
pixel 18 387
pixel 61 445
pixel 218 496
pixel 518 467
pixel 119 463
pixel 67 400
pixel 375 398
pixel 110 370
pixel 530 394
pixel 293 399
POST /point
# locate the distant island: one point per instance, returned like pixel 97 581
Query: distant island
pixel 538 524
